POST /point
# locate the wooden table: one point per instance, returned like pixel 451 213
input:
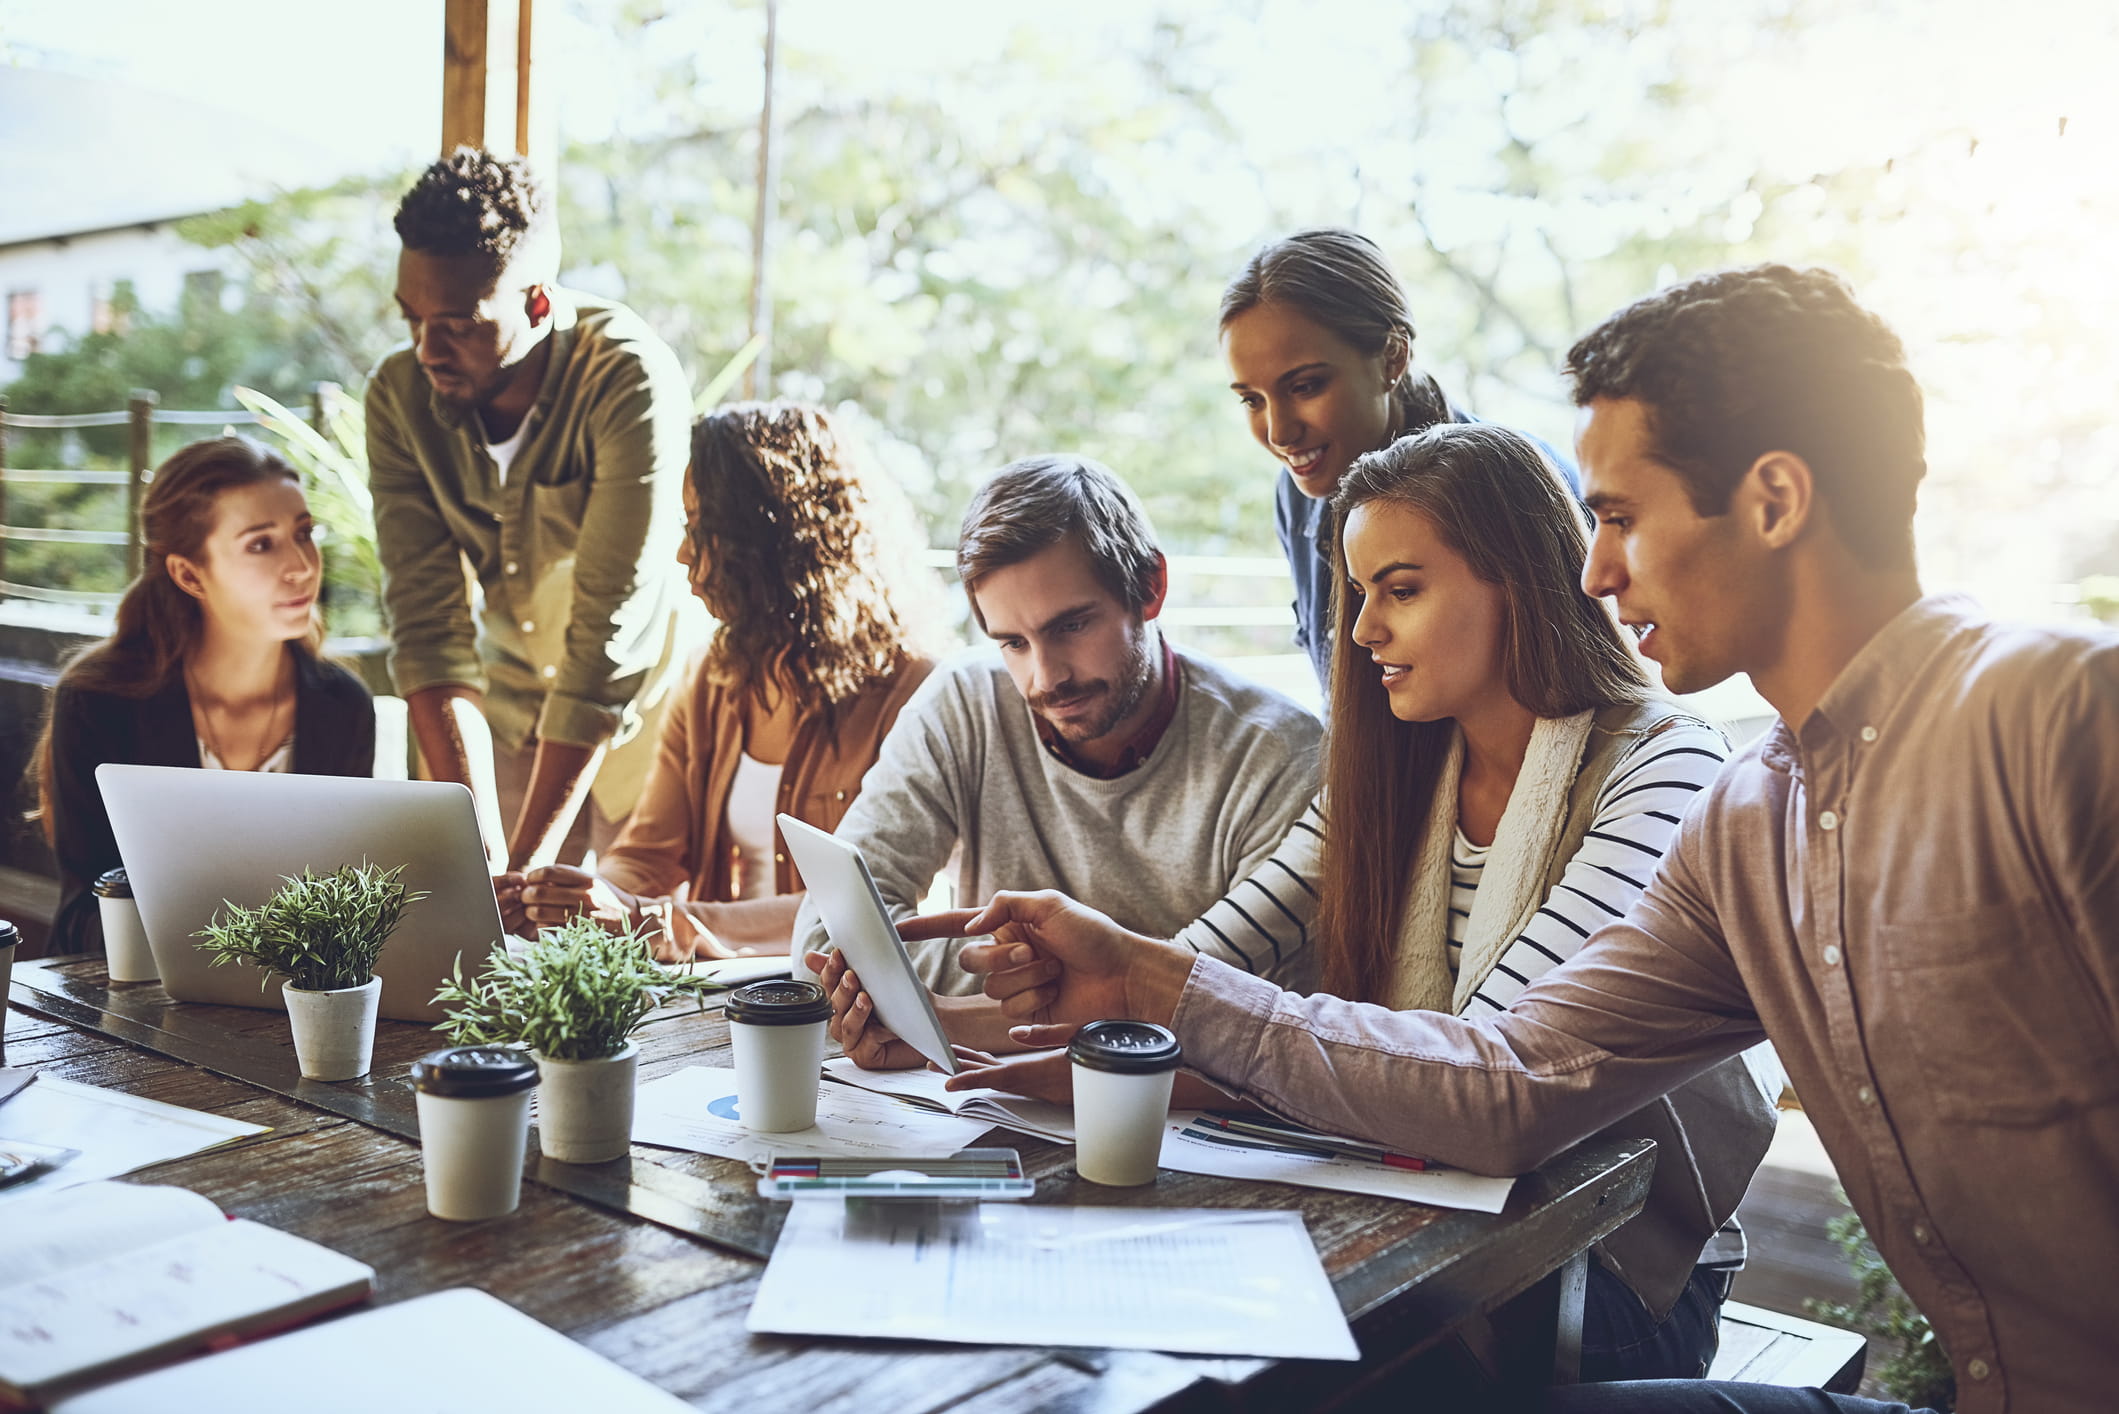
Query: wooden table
pixel 671 1307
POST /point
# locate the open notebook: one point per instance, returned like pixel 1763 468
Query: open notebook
pixel 106 1277
pixel 1038 1118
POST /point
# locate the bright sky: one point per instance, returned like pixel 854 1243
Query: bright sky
pixel 1999 271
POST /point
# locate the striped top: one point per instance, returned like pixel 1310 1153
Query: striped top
pixel 1262 924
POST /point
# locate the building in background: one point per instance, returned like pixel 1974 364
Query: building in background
pixel 99 172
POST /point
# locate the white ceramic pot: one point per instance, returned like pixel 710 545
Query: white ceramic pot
pixel 585 1107
pixel 334 1032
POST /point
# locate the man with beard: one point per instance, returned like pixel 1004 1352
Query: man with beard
pixel 539 436
pixel 1082 752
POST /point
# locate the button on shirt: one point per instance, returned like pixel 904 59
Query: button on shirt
pixel 1938 970
pixel 573 543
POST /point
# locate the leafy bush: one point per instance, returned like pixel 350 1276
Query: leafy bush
pixel 1916 1369
pixel 574 994
pixel 322 932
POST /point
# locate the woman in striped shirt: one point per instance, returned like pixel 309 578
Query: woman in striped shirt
pixel 1510 788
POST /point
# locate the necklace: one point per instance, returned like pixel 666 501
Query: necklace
pixel 213 740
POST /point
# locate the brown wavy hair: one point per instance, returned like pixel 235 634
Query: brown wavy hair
pixel 157 624
pixel 1496 500
pixel 805 563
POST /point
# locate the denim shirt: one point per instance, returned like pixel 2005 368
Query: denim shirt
pixel 1304 528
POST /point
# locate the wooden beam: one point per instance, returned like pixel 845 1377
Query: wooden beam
pixel 523 135
pixel 463 78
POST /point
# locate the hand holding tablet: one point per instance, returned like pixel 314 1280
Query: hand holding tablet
pixel 859 926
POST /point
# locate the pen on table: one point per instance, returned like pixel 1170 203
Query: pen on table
pixel 1307 1142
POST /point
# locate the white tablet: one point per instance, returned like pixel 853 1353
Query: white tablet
pixel 859 926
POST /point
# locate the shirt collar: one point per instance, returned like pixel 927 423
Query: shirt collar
pixel 1871 686
pixel 1874 682
pixel 1144 741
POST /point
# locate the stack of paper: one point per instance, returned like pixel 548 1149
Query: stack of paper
pixel 1198 1281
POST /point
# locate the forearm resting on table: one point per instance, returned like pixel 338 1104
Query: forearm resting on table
pixel 455 744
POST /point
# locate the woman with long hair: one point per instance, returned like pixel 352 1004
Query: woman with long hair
pixel 802 557
pixel 1319 343
pixel 1500 781
pixel 212 662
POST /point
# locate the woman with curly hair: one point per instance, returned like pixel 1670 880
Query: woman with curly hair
pixel 796 552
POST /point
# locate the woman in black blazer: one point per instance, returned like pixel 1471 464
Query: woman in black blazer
pixel 213 662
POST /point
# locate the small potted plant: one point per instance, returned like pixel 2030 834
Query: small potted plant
pixel 573 998
pixel 322 933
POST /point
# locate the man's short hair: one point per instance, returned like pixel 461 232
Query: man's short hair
pixel 1740 363
pixel 474 203
pixel 1029 506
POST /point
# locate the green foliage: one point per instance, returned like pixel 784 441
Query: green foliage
pixel 322 932
pixel 1916 1369
pixel 333 462
pixel 2100 595
pixel 574 994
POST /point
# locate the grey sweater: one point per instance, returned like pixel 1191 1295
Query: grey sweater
pixel 963 772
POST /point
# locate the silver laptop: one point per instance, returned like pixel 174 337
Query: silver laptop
pixel 194 840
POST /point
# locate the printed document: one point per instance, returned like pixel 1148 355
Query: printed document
pixel 696 1109
pixel 1200 1281
pixel 115 1132
pixel 1192 1147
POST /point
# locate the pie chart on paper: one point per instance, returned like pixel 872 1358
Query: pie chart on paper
pixel 724 1108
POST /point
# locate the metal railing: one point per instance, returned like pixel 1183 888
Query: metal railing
pixel 142 414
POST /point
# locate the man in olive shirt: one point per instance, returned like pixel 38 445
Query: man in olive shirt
pixel 1910 884
pixel 540 436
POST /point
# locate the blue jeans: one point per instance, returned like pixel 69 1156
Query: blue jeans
pixel 1622 1341
pixel 1709 1397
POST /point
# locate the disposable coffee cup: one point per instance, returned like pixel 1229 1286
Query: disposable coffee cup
pixel 1123 1071
pixel 125 952
pixel 776 1029
pixel 474 1122
pixel 9 936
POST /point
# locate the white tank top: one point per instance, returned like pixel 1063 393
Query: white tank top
pixel 751 806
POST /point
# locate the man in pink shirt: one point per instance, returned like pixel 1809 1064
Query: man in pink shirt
pixel 1910 884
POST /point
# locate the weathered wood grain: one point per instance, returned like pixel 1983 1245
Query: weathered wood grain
pixel 672 1309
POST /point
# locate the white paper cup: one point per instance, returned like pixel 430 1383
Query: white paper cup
pixel 776 1031
pixel 1123 1071
pixel 125 951
pixel 474 1123
pixel 8 937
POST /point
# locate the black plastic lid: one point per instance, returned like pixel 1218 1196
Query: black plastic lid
pixel 112 883
pixel 9 934
pixel 1126 1047
pixel 474 1072
pixel 779 1001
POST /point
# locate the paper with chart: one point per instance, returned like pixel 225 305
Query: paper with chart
pixel 1192 1147
pixel 695 1109
pixel 115 1132
pixel 1200 1281
pixel 1039 1118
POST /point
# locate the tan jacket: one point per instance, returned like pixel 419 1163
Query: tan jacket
pixel 679 832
